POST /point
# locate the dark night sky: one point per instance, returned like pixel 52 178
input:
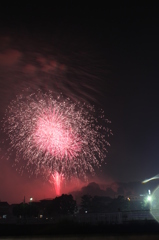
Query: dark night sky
pixel 116 45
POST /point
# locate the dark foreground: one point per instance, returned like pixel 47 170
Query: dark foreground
pixel 134 237
pixel 72 230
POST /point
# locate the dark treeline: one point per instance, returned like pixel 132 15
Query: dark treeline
pixel 63 205
pixel 66 205
pixel 99 204
pixel 51 217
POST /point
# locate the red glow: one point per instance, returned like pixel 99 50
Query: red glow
pixel 57 179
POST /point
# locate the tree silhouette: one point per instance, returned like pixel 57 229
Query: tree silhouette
pixel 25 210
pixel 63 205
pixel 86 203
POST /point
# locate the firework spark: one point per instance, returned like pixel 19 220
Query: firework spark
pixel 56 134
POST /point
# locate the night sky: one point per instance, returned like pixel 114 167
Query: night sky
pixel 106 55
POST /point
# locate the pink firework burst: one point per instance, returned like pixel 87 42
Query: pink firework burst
pixel 55 137
pixel 55 134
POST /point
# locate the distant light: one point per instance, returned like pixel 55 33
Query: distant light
pixel 41 216
pixel 149 192
pixel 31 199
pixel 128 199
pixel 149 198
pixel 85 211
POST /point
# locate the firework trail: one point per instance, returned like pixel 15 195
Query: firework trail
pixel 56 136
pixel 57 179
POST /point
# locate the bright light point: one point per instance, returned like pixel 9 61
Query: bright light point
pixel 149 198
pixel 31 199
pixel 155 204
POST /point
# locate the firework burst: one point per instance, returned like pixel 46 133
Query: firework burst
pixel 55 134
